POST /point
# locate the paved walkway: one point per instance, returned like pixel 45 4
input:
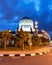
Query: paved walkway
pixel 40 51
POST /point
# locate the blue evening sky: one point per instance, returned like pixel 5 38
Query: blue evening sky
pixel 11 12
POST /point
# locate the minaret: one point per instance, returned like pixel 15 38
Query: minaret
pixel 36 27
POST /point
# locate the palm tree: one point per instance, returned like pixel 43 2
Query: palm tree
pixel 6 35
pixel 22 39
pixel 36 40
pixel 19 38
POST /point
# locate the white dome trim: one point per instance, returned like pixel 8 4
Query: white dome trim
pixel 26 24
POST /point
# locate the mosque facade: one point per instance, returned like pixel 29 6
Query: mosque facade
pixel 26 24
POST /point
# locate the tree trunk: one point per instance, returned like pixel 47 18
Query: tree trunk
pixel 5 44
pixel 22 44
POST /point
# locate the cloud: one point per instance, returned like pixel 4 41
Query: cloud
pixel 15 18
pixel 32 1
pixel 50 7
pixel 1 15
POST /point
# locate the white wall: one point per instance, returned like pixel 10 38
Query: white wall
pixel 26 24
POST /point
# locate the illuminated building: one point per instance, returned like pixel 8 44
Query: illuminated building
pixel 26 24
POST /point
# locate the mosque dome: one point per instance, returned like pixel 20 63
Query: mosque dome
pixel 26 23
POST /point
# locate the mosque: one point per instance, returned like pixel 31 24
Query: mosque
pixel 27 24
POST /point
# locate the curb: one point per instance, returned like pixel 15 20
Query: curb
pixel 22 55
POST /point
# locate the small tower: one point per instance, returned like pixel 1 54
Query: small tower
pixel 36 27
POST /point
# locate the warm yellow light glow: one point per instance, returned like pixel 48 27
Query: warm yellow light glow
pixel 42 30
